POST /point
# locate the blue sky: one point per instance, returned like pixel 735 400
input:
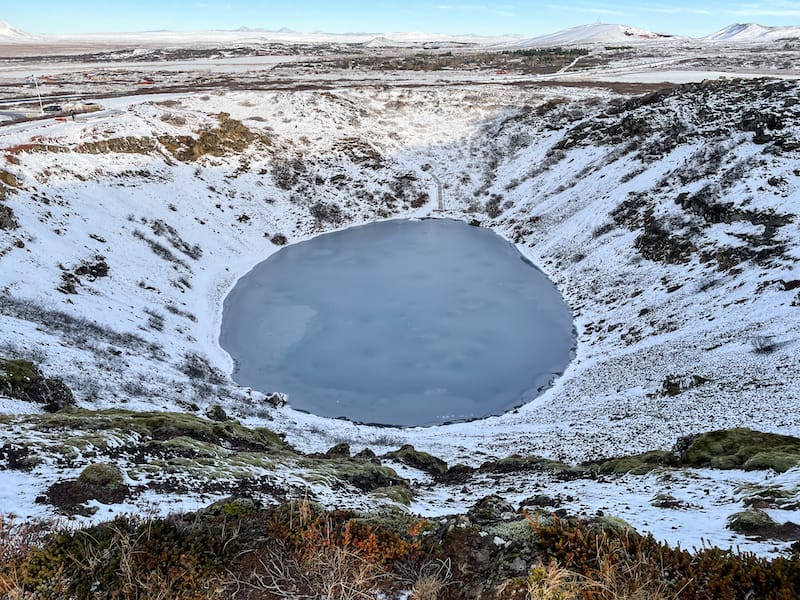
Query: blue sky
pixel 685 17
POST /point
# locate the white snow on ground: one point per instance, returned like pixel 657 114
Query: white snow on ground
pixel 74 206
pixel 706 495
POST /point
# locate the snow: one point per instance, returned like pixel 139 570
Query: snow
pixel 595 33
pixel 754 33
pixel 162 39
pixel 605 404
pixel 10 35
pixel 588 34
pixel 707 497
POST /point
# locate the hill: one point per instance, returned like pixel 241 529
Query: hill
pixel 753 33
pixel 595 33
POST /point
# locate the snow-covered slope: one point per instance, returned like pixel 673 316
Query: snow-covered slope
pixel 595 33
pixel 668 221
pixel 753 33
pixel 10 35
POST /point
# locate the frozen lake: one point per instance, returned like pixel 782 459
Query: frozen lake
pixel 399 323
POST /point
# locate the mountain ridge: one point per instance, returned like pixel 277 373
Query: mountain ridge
pixel 753 32
pixel 592 33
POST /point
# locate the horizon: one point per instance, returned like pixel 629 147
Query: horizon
pixel 681 18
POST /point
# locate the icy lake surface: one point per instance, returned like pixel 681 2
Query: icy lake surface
pixel 399 323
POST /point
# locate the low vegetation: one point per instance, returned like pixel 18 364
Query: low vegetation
pixel 529 60
pixel 238 549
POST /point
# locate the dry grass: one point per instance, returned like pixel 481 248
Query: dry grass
pixel 431 580
pixel 554 583
pixel 321 569
pixel 17 540
pixel 331 573
pixel 625 576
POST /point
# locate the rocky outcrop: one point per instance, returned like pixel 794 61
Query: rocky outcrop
pixel 7 219
pixel 423 461
pixel 99 481
pixel 21 379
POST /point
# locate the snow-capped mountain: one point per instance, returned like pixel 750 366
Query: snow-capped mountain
pixel 11 35
pixel 247 35
pixel 752 32
pixel 595 33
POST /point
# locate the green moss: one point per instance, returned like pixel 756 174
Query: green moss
pixel 17 374
pixel 364 475
pixel 733 448
pixel 638 464
pixel 163 426
pixel 725 462
pixel 516 531
pixel 397 493
pixel 750 520
pixel 613 525
pixel 234 507
pixel 396 520
pixel 776 460
pixel 517 462
pixel 101 474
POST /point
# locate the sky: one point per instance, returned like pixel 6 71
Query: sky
pixel 679 17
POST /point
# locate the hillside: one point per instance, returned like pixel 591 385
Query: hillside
pixel 595 33
pixel 667 220
pixel 10 35
pixel 754 33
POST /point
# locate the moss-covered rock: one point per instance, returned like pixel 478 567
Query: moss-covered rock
pixel 779 461
pixel 17 375
pixel 216 413
pixel 751 520
pixel 22 379
pixel 490 510
pixel 397 493
pixel 517 462
pixel 417 459
pixel 612 525
pixel 339 451
pixel 638 464
pixel 101 474
pixel 367 454
pixel 101 482
pixel 664 500
pixel 519 531
pixel 368 476
pixel 234 507
pixel 740 448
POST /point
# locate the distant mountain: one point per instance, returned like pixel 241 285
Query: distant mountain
pixel 10 35
pixel 596 33
pixel 249 35
pixel 752 32
pixel 583 35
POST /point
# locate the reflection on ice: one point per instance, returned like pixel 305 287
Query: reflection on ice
pixel 398 323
